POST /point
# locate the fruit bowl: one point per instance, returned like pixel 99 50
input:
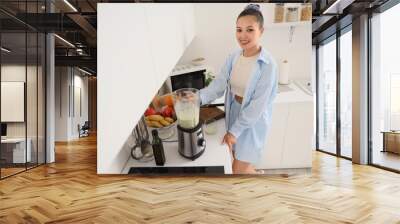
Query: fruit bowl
pixel 164 125
pixel 161 116
pixel 163 121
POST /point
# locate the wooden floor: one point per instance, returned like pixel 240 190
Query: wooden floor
pixel 387 159
pixel 69 191
pixel 10 171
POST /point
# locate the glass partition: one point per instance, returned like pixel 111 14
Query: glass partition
pixel 327 97
pixel 385 89
pixel 13 104
pixel 346 94
pixel 22 77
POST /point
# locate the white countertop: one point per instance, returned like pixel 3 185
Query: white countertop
pixel 286 94
pixel 291 93
pixel 215 154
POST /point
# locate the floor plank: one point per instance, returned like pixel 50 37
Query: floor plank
pixel 70 191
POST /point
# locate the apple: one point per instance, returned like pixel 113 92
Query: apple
pixel 149 111
pixel 167 111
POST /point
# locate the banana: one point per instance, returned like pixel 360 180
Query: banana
pixel 170 120
pixel 148 123
pixel 165 122
pixel 156 124
pixel 155 117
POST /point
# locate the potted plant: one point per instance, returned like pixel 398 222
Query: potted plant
pixel 209 77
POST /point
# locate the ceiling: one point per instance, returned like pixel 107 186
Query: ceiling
pixel 77 23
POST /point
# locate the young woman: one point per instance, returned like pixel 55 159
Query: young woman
pixel 249 81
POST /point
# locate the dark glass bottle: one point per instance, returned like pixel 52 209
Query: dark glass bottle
pixel 158 149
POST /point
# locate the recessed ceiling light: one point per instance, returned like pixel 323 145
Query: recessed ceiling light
pixel 64 40
pixel 5 50
pixel 70 5
pixel 84 71
pixel 337 7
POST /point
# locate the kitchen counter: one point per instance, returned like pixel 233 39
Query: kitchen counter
pixel 215 154
pixel 291 93
pixel 286 94
pixel 289 142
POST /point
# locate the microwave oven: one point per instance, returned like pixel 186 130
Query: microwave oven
pixel 187 77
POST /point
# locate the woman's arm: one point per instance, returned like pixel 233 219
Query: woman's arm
pixel 264 93
pixel 217 87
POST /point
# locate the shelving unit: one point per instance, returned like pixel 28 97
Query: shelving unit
pixel 288 24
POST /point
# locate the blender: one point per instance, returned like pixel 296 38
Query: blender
pixel 191 142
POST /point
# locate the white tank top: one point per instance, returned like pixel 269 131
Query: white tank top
pixel 241 73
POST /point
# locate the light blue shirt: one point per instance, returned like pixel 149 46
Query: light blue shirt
pixel 256 108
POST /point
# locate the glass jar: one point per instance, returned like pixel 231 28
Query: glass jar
pixel 292 14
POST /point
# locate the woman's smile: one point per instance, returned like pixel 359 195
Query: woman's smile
pixel 248 33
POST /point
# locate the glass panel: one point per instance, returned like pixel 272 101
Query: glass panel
pixel 327 97
pixel 346 93
pixel 41 99
pixel 13 87
pixel 386 89
pixel 31 100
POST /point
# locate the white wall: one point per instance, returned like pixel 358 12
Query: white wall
pixel 61 103
pixel 215 38
pixel 132 65
pixel 67 80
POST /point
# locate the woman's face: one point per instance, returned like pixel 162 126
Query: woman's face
pixel 248 32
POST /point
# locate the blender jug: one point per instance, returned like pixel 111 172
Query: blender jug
pixel 191 142
pixel 187 107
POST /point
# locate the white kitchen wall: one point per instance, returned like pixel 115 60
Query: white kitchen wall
pixel 215 38
pixel 138 46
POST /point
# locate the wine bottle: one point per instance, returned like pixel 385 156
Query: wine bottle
pixel 158 149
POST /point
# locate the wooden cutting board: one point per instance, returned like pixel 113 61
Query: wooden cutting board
pixel 208 114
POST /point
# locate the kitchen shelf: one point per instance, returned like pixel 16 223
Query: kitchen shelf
pixel 288 24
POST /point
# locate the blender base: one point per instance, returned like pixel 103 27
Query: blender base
pixel 193 157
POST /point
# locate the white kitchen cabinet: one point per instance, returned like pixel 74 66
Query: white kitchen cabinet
pixel 125 80
pixel 272 157
pixel 138 46
pixel 297 148
pixel 170 31
pixel 289 140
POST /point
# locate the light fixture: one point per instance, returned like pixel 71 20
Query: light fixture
pixel 70 5
pixel 64 40
pixel 84 71
pixel 5 50
pixel 337 7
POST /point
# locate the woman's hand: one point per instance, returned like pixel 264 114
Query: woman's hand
pixel 230 140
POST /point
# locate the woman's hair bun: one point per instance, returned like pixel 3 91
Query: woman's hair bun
pixel 253 6
pixel 253 10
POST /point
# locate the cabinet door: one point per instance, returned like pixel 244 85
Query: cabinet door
pixel 169 34
pixel 297 149
pixel 272 158
pixel 125 80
